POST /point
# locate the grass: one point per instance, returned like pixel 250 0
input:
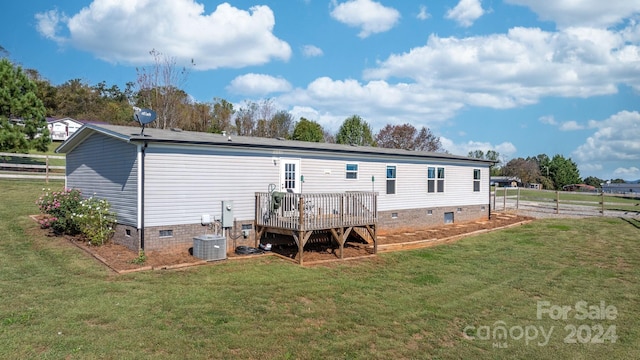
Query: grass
pixel 56 302
pixel 612 202
pixel 56 161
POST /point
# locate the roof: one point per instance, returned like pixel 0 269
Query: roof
pixel 621 185
pixel 51 120
pixel 151 135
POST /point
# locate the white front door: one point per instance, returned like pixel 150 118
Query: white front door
pixel 290 175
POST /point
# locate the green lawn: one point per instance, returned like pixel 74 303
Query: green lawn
pixel 627 203
pixel 56 302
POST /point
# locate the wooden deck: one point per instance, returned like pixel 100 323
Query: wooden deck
pixel 299 215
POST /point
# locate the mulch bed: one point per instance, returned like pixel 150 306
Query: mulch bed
pixel 121 259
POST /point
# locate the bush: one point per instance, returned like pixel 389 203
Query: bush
pixel 70 214
pixel 60 206
pixel 95 220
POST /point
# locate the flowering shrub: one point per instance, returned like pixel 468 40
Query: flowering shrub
pixel 60 205
pixel 95 220
pixel 70 214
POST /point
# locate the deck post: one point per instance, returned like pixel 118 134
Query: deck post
pixel 256 212
pixel 301 233
pixel 341 234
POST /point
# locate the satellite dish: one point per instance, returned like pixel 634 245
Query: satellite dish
pixel 143 116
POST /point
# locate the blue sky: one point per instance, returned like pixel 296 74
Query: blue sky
pixel 521 77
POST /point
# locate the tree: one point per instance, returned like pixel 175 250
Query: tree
pixel 491 155
pixel 221 114
pixel 78 100
pixel 281 124
pixel 407 137
pixel 159 89
pixel 525 169
pixel 308 130
pixel 46 92
pixel 563 171
pixel 245 119
pixel 355 131
pixel 593 181
pixel 22 115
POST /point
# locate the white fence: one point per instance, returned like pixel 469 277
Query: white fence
pixel 31 166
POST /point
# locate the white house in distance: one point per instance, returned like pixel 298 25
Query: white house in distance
pixel 61 129
pixel 161 183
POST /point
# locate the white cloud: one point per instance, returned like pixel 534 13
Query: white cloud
pixel 126 30
pixel 466 12
pixel 571 126
pixel 258 84
pixel 423 14
pixel 615 140
pixel 519 67
pixel 548 119
pixel 48 24
pixel 370 16
pixel 311 51
pixel 631 173
pixel 568 13
pixel 378 102
pixel 505 149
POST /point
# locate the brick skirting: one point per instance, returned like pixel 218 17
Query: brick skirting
pixel 171 236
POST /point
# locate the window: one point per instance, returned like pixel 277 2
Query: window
pixel 440 179
pixel 435 178
pixel 391 179
pixel 476 179
pixel 166 233
pixel 351 171
pixel 289 176
pixel 431 179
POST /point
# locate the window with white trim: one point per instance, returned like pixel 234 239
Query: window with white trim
pixel 476 179
pixel 391 179
pixel 435 179
pixel 440 179
pixel 351 171
pixel 431 179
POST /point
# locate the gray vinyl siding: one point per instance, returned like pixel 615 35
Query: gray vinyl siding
pixel 411 182
pixel 182 183
pixel 108 168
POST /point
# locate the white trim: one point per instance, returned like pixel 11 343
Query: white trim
pixel 357 171
pixel 139 192
pixel 298 173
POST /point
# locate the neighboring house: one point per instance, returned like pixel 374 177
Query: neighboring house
pixel 161 184
pixel 580 188
pixel 61 129
pixel 624 188
pixel 506 181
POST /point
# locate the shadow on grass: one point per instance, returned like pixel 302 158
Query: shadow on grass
pixel 634 222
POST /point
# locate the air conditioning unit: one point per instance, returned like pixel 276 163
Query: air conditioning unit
pixel 210 247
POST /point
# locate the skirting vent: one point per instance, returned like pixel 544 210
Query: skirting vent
pixel 210 247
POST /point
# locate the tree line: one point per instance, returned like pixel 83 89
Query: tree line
pixel 553 173
pixel 27 96
pixel 158 87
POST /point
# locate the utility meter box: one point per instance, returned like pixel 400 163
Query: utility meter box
pixel 227 214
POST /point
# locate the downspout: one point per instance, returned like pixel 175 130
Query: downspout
pixel 141 194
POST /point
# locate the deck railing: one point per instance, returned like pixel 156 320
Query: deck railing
pixel 316 211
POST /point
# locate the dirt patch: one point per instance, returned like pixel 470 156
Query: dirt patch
pixel 121 259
